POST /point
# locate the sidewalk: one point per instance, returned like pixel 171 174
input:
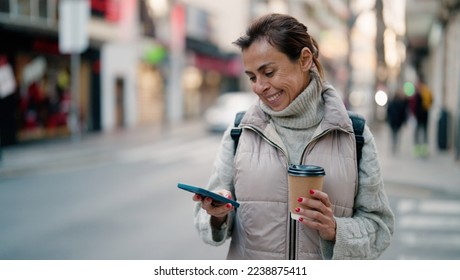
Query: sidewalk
pixel 438 172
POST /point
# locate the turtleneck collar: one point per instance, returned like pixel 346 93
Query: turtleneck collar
pixel 305 111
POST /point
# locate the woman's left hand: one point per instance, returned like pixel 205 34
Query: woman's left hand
pixel 318 214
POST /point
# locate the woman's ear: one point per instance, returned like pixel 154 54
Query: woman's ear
pixel 306 59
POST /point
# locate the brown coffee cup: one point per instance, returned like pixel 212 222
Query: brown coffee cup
pixel 301 179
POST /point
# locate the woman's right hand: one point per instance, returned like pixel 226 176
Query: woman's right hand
pixel 217 210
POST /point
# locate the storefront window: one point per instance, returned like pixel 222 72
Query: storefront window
pixel 30 10
pixel 4 7
pixel 43 9
pixel 45 97
pixel 23 7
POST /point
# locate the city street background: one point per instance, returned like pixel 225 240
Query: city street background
pixel 103 106
pixel 114 196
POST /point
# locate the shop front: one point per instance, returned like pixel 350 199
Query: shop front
pixel 41 99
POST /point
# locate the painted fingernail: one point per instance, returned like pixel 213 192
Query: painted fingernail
pixel 297 209
pixel 312 192
pixel 299 199
pixel 300 219
pixel 228 205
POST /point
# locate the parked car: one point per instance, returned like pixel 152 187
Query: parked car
pixel 222 113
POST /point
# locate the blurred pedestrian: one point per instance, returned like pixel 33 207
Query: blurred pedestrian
pixel 298 118
pixel 420 104
pixel 397 114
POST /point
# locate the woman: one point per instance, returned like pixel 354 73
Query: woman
pixel 299 119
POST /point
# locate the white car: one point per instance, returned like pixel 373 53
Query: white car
pixel 222 113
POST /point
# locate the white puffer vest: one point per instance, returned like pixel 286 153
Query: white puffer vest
pixel 262 227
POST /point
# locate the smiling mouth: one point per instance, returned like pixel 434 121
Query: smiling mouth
pixel 274 98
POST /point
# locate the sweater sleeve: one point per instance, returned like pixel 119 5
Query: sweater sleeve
pixel 368 232
pixel 221 178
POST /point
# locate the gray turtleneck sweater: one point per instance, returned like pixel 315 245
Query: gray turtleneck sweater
pixel 297 123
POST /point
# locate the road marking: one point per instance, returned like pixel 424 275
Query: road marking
pixel 429 222
pixel 406 205
pixel 432 206
pixel 432 224
pixel 450 241
pixel 440 206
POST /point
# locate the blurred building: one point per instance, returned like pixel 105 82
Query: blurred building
pixel 145 59
pixel 39 104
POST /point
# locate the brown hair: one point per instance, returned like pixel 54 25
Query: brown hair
pixel 283 32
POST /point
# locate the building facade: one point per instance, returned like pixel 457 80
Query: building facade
pixel 125 75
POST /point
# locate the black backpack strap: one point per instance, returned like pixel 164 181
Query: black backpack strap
pixel 358 127
pixel 236 130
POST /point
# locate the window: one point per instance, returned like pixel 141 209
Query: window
pixel 23 7
pixel 4 7
pixel 31 11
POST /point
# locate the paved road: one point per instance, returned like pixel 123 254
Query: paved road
pixel 427 224
pixel 117 202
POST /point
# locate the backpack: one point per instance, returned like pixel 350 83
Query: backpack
pixel 357 120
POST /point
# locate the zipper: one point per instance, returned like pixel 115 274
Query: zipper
pixel 292 238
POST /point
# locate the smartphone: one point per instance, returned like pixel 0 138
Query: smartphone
pixel 205 193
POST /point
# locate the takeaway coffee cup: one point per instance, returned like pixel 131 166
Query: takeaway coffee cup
pixel 301 179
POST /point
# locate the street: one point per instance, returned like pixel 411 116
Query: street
pixel 115 197
pixel 427 224
pixel 117 202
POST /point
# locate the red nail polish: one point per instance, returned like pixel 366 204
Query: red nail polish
pixel 297 209
pixel 312 192
pixel 228 205
pixel 299 199
pixel 300 219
